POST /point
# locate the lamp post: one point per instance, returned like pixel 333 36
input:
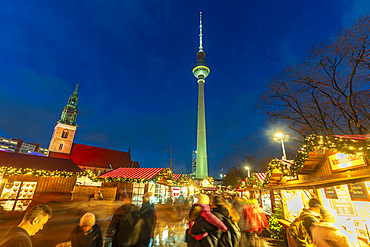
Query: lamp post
pixel 280 135
pixel 247 167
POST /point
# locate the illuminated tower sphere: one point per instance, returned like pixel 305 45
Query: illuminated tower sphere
pixel 65 128
pixel 201 71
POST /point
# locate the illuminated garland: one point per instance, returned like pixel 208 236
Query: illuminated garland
pixel 11 171
pixel 346 146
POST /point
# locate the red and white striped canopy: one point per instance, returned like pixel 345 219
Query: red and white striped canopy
pixel 355 137
pixel 176 176
pixel 260 176
pixel 133 173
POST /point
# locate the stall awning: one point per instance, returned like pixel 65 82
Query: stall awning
pixel 176 176
pixel 261 176
pixel 133 173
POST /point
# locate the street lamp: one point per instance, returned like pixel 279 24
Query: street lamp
pixel 247 167
pixel 280 135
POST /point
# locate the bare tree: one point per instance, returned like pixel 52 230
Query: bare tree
pixel 326 92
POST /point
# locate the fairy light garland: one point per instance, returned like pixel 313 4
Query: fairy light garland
pixel 346 146
pixel 12 171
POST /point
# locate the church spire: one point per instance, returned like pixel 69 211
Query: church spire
pixel 70 111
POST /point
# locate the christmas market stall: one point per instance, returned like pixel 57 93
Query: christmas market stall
pixel 138 181
pixel 180 187
pixel 25 178
pixel 336 170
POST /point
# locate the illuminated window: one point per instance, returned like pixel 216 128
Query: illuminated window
pixel 65 134
pixel 61 146
pixel 137 193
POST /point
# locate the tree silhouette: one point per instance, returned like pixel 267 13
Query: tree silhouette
pixel 326 92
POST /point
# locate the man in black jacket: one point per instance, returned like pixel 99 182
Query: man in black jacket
pixel 124 228
pixel 32 222
pixel 148 215
pixel 87 233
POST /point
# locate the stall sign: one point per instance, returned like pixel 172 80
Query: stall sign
pixel 343 205
pixel 206 183
pixel 87 182
pixel 175 191
pixel 340 161
pixel 358 191
pixel 330 193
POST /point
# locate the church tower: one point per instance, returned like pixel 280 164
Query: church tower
pixel 201 71
pixel 65 128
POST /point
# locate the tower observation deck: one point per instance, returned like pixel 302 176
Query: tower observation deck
pixel 201 71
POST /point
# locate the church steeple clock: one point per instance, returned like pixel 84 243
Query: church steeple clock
pixel 65 128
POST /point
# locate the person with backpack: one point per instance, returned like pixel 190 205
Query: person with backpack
pixel 33 221
pixel 148 215
pixel 125 226
pixel 204 230
pixel 299 232
pixel 231 237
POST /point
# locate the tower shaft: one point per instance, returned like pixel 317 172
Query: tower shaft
pixel 201 71
pixel 202 166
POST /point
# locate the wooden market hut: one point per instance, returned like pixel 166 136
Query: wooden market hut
pixel 25 177
pixel 135 182
pixel 334 169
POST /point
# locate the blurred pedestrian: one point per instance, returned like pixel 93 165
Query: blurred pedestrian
pixel 96 196
pixel 125 226
pixel 232 211
pixel 32 222
pixel 205 228
pixel 87 233
pixel 241 206
pixel 225 239
pixel 328 234
pixel 149 220
pixel 299 232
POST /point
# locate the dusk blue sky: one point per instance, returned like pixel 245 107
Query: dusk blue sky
pixel 133 61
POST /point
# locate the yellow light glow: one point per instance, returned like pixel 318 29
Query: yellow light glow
pixel 279 135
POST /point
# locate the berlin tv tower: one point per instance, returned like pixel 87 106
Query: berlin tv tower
pixel 201 71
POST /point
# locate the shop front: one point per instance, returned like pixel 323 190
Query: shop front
pixel 337 172
pixel 157 181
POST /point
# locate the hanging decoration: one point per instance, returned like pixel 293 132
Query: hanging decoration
pixel 343 145
pixel 12 171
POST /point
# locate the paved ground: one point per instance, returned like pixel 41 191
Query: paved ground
pixel 169 231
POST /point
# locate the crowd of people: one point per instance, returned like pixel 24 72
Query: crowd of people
pixel 212 221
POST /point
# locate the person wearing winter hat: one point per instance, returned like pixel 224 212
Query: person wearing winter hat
pixel 308 217
pixel 205 226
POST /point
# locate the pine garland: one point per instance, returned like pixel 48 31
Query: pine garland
pixel 346 146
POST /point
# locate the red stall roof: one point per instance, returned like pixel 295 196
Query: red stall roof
pixel 176 176
pixel 17 160
pixel 133 173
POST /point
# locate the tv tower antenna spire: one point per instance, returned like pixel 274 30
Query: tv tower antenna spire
pixel 200 34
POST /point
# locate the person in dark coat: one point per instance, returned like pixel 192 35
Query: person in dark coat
pixel 148 215
pixel 206 226
pixel 121 230
pixel 32 222
pixel 87 233
pixel 221 213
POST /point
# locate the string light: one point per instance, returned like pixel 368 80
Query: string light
pixel 346 146
pixel 166 173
